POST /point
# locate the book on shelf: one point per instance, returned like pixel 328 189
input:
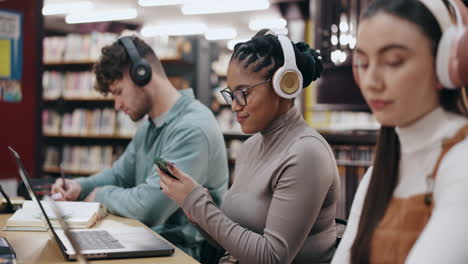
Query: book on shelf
pixel 70 85
pixel 87 47
pixel 341 204
pixel 84 159
pixel 79 85
pixel 342 121
pixel 349 181
pixel 52 83
pixel 354 154
pixel 227 122
pixel 89 122
pixel 76 47
pixel 76 214
pixel 50 122
pixel 52 156
pixel 107 125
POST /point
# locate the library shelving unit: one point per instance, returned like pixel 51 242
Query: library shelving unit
pixel 354 150
pixel 82 133
pixel 233 140
pixel 337 97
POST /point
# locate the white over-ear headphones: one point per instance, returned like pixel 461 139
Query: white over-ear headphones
pixel 452 53
pixel 287 80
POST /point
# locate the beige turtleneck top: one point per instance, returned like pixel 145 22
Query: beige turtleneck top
pixel 281 207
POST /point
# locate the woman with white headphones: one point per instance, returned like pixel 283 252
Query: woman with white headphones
pixel 411 64
pixel 282 204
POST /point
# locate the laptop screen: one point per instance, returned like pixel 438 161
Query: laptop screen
pixel 11 208
pixel 27 183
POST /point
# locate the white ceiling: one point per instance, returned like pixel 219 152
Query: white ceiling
pixel 165 14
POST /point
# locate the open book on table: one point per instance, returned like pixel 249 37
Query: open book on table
pixel 76 214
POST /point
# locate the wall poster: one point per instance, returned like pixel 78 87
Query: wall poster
pixel 11 55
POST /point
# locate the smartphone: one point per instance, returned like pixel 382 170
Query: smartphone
pixel 161 163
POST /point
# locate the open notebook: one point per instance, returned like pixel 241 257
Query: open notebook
pixel 77 215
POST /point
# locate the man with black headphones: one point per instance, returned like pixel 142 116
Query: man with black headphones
pixel 179 129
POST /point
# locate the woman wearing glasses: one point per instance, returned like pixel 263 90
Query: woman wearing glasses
pixel 281 206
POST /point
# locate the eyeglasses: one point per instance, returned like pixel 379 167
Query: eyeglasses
pixel 239 94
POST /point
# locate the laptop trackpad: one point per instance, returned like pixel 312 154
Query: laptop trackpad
pixel 107 241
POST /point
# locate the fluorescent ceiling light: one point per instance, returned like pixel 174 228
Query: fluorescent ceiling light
pixel 223 6
pixel 180 29
pixel 162 2
pixel 259 23
pixel 98 16
pixel 231 43
pixel 65 8
pixel 221 33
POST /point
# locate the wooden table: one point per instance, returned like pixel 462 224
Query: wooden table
pixel 39 248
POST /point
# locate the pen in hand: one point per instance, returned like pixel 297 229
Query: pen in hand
pixel 62 173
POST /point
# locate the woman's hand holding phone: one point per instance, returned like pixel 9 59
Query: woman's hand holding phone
pixel 162 165
pixel 178 186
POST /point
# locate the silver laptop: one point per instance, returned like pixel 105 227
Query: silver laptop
pixel 128 242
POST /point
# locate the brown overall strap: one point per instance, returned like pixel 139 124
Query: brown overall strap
pixel 447 144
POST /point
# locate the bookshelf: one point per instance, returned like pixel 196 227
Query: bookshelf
pixel 80 128
pixel 233 141
pixel 351 137
pixel 354 163
pixel 68 66
pixel 169 63
pixel 81 99
pixel 74 136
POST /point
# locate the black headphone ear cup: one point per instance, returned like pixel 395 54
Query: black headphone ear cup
pixel 140 73
pixel 140 70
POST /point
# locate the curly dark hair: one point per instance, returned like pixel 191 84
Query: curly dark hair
pixel 266 52
pixel 114 61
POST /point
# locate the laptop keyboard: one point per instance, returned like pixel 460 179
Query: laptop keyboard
pixel 99 239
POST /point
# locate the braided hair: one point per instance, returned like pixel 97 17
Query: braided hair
pixel 264 51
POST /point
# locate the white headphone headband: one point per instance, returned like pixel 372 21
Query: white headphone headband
pixel 287 80
pixel 288 52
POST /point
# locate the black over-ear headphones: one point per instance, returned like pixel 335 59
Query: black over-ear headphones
pixel 140 69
